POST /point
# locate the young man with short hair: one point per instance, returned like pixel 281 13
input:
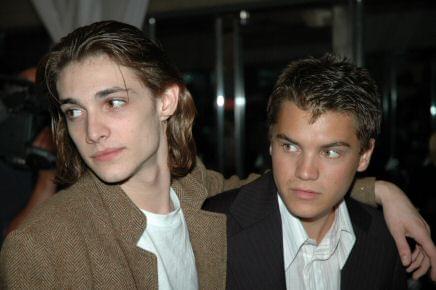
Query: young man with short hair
pixel 294 228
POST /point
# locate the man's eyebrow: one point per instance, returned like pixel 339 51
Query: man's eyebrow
pixel 329 145
pixel 100 94
pixel 286 138
pixel 69 101
pixel 337 144
pixel 104 93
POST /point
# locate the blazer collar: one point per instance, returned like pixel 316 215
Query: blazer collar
pixel 358 258
pixel 128 224
pixel 257 237
pixel 255 201
pixel 207 231
pixel 360 219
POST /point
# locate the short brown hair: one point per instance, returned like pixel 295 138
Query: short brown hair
pixel 326 84
pixel 128 46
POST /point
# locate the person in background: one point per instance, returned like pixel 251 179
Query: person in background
pixel 44 185
pixel 131 216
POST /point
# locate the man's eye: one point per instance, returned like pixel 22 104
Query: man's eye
pixel 117 103
pixel 289 147
pixel 73 113
pixel 333 154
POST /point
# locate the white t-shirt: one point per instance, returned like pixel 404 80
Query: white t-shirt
pixel 167 237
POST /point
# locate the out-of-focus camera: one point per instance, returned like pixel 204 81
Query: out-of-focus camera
pixel 23 114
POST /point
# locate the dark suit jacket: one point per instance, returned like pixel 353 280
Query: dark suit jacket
pixel 255 243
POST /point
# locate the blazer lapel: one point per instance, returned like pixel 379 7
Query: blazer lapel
pixel 356 268
pixel 129 224
pixel 255 238
pixel 207 232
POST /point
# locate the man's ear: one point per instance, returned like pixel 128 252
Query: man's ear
pixel 365 157
pixel 168 102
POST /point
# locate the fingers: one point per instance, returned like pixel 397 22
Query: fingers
pixel 417 258
pixel 429 250
pixel 423 268
pixel 421 234
pixel 403 248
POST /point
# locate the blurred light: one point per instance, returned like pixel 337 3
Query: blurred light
pixel 433 110
pixel 220 101
pixel 244 16
pixel 240 101
pixel 151 21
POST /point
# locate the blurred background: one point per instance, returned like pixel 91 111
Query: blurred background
pixel 230 53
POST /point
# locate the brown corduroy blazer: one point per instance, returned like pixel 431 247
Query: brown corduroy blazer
pixel 85 238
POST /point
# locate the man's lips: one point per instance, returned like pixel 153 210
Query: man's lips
pixel 305 193
pixel 107 154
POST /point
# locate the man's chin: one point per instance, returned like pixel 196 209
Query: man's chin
pixel 306 213
pixel 111 177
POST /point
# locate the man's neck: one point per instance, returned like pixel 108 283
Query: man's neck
pixel 149 189
pixel 317 228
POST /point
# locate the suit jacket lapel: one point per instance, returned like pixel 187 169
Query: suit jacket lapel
pixel 207 232
pixel 129 224
pixel 355 269
pixel 255 238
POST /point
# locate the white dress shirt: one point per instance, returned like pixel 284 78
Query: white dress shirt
pixel 167 237
pixel 309 266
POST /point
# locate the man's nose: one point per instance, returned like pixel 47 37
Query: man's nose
pixel 307 167
pixel 96 128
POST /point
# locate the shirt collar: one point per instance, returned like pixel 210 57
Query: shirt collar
pixel 294 234
pixel 347 238
pixel 340 236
